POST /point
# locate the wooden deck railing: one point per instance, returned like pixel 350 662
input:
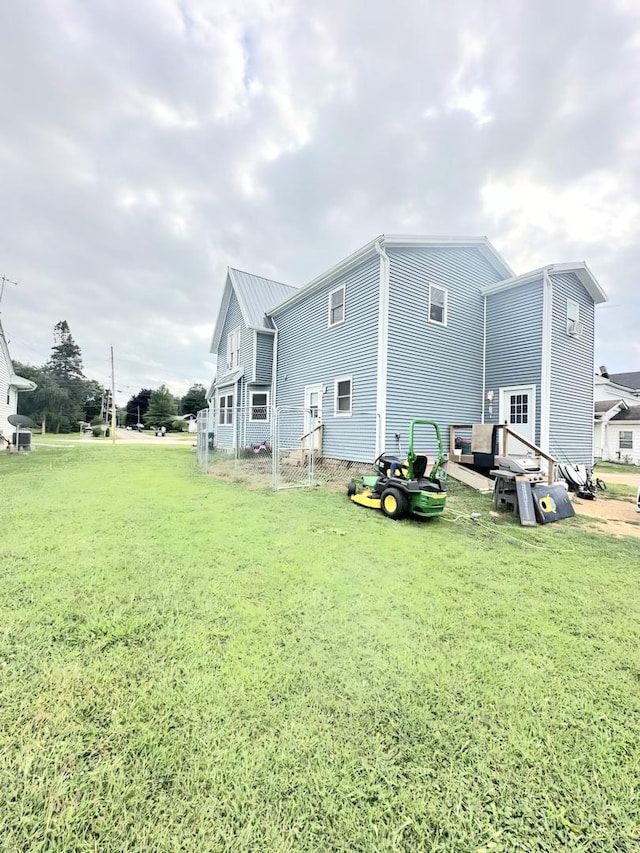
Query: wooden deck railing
pixel 506 432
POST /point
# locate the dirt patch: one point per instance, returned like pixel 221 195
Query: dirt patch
pixel 615 518
pixel 628 479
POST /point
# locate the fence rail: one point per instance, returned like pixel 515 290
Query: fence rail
pixel 285 447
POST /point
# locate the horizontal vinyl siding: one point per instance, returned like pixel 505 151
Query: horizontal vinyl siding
pixel 434 372
pixel 264 357
pixel 310 353
pixel 256 431
pixel 514 343
pixel 611 444
pixel 5 409
pixel 232 320
pixel 572 375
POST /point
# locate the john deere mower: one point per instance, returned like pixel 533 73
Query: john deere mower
pixel 402 487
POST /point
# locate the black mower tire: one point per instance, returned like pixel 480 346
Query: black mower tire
pixel 394 503
pixel 352 488
pixel 601 485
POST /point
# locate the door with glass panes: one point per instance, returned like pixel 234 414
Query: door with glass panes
pixel 518 410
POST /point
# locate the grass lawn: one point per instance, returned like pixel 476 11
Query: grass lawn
pixel 186 665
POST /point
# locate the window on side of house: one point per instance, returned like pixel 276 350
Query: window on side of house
pixel 259 406
pixel 226 410
pixel 336 305
pixel 233 349
pixel 437 305
pixel 343 396
pixel 573 316
pixel 626 439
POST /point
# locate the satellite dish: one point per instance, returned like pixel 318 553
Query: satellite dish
pixel 21 421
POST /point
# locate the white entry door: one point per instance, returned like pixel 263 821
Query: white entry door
pixel 312 416
pixel 518 411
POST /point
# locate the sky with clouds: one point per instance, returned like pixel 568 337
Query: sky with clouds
pixel 146 146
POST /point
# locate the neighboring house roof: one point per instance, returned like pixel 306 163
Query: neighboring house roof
pixel 631 413
pixel 482 244
pixel 607 407
pixel 255 295
pixel 582 271
pixel 627 380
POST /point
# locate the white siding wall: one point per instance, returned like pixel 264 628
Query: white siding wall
pixel 607 441
pixel 9 408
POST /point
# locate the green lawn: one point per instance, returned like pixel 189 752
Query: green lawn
pixel 186 665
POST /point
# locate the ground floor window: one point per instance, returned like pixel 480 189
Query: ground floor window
pixel 626 439
pixel 259 406
pixel 226 409
pixel 343 394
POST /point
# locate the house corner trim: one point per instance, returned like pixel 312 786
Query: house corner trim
pixel 545 367
pixel 383 348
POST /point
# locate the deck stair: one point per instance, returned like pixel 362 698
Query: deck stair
pixel 469 477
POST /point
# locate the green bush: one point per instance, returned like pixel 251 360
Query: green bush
pixel 97 430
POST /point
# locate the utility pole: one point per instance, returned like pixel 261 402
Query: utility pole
pixel 113 401
pixel 8 281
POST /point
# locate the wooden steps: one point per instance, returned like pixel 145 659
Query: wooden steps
pixel 468 477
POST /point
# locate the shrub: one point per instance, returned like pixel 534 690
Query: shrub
pixel 97 430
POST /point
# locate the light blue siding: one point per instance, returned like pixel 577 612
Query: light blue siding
pixel 572 374
pixel 514 343
pixel 264 357
pixel 256 431
pixel 434 371
pixel 310 353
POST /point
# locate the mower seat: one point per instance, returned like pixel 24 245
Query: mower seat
pixel 420 466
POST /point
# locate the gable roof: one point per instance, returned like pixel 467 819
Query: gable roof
pixel 631 413
pixel 582 271
pixel 482 244
pixel 627 380
pixel 255 296
pixel 602 408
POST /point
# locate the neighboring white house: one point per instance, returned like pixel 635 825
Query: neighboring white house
pixel 10 385
pixel 616 432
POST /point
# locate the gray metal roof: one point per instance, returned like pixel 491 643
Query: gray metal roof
pixel 258 295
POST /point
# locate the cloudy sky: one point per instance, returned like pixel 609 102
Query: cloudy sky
pixel 145 146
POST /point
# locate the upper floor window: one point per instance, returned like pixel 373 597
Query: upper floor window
pixel 336 306
pixel 626 439
pixel 574 326
pixel 233 349
pixel 343 395
pixel 437 305
pixel 259 406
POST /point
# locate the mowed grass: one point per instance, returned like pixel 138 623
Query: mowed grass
pixel 187 665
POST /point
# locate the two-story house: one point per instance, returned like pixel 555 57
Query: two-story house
pixel 415 327
pixel 10 385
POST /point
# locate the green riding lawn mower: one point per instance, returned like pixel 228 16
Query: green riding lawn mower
pixel 403 487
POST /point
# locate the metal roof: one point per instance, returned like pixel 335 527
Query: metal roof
pixel 257 295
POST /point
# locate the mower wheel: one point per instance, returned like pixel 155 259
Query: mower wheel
pixel 394 503
pixel 352 488
pixel 601 485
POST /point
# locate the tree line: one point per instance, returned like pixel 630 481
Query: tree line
pixel 65 398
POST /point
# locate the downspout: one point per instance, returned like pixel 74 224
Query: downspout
pixel 273 401
pixel 545 366
pixel 383 348
pixel 484 358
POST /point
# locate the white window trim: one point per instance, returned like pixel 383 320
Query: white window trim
pixel 575 322
pixel 445 312
pixel 343 288
pixel 252 407
pixel 226 408
pixel 336 413
pixel 230 352
pixel 629 432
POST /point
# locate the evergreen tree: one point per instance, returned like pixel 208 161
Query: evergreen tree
pixel 194 400
pixel 66 358
pixel 162 408
pixel 137 406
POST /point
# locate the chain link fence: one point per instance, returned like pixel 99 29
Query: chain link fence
pixel 285 447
